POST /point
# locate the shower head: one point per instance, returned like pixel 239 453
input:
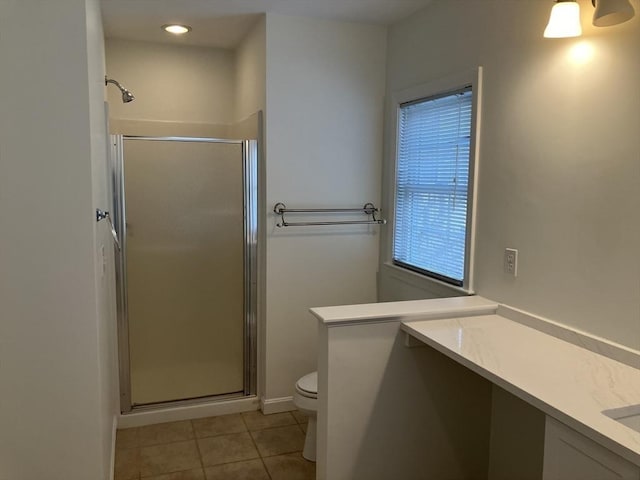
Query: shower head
pixel 127 96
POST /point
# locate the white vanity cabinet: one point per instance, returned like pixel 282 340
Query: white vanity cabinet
pixel 568 455
pixel 395 411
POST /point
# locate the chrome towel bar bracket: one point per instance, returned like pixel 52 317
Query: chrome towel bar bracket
pixel 368 209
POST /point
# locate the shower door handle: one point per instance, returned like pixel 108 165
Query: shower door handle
pixel 101 215
pixel 114 234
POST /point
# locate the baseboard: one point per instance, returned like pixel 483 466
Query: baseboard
pixel 188 412
pixel 276 405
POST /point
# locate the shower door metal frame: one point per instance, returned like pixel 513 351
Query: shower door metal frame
pixel 250 234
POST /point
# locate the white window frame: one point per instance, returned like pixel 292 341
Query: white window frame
pixel 433 88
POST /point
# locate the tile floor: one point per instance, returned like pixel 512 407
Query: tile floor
pixel 246 446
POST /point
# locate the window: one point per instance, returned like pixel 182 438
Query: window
pixel 433 189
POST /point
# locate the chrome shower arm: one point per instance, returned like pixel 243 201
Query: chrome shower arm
pixel 127 96
pixel 107 81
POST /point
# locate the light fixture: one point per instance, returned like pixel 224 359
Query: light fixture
pixel 176 29
pixel 611 12
pixel 564 20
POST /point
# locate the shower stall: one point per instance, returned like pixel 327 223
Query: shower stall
pixel 185 210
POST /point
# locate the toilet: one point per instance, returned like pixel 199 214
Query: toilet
pixel 306 399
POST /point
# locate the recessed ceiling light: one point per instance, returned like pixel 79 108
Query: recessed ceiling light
pixel 176 29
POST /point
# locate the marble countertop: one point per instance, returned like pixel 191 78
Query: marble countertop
pixel 423 309
pixel 570 383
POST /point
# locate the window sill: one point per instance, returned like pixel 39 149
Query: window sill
pixel 422 281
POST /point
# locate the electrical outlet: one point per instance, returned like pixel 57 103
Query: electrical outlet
pixel 511 261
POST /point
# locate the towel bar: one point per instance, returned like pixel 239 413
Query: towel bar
pixel 368 209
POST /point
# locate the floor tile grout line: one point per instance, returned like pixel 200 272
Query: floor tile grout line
pixel 222 433
pixel 283 453
pixel 255 445
pixel 264 465
pixel 302 421
pixel 289 452
pixel 191 439
pixel 196 439
pixel 274 427
pixel 167 443
pixel 295 422
pixel 137 462
pixel 168 473
pixel 245 423
pixel 199 451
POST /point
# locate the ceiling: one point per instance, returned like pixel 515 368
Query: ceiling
pixel 224 23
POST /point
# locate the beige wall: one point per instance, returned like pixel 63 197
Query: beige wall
pixel 560 154
pixel 172 83
pixel 250 72
pixel 325 87
pixel 191 89
pixel 56 347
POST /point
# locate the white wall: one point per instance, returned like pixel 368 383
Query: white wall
pixel 56 399
pixel 172 83
pixel 325 87
pixel 104 268
pixel 560 154
pixel 250 72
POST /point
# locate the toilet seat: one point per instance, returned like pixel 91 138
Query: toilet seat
pixel 305 399
pixel 307 386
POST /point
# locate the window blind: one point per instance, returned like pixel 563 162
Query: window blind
pixel 432 185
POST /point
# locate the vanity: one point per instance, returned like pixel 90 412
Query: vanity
pixel 466 388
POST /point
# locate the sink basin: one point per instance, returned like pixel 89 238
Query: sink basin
pixel 628 416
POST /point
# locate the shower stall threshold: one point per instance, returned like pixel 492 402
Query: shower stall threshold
pixel 150 414
pixel 186 401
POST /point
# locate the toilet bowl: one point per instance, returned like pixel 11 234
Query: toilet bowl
pixel 305 399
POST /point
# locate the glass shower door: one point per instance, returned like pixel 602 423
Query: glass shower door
pixel 184 265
